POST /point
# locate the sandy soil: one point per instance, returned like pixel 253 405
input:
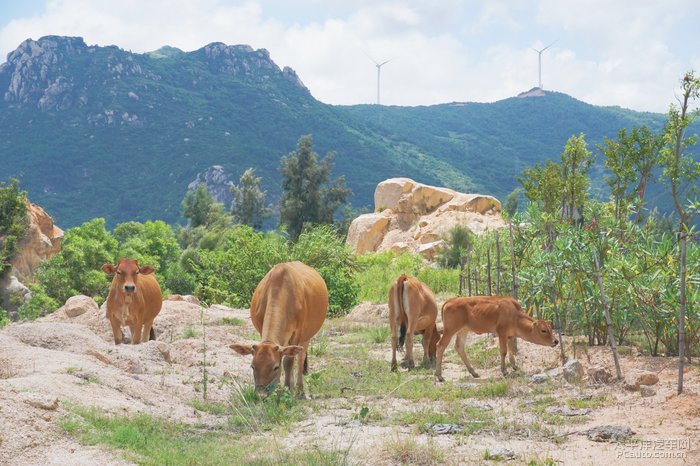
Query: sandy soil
pixel 52 362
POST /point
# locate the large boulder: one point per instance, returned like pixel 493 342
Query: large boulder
pixel 42 241
pixel 414 217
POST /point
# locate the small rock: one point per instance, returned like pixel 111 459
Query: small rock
pixel 482 405
pixel 646 391
pixel 573 371
pixel 599 374
pixel 539 378
pixel 635 378
pixel 135 367
pixel 553 373
pixel 564 411
pixel 609 433
pixel 500 453
pixel 441 429
pixel 42 402
pixel 164 349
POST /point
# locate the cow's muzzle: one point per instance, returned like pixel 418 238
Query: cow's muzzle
pixel 556 342
pixel 129 288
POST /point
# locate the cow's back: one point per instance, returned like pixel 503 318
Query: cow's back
pixel 484 314
pixel 290 303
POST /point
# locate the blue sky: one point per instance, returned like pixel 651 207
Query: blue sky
pixel 605 52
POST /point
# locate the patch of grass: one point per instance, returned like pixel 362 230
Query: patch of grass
pixel 217 409
pixel 405 450
pixel 378 334
pixel 252 412
pixel 319 345
pixel 472 420
pixel 593 401
pixel 189 332
pixel 148 440
pixel 233 321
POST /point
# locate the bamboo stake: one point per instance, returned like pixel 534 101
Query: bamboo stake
pixel 556 313
pixel 498 265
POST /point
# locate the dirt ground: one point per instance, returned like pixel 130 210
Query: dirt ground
pixel 53 362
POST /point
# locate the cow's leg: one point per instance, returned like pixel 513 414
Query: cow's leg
pixel 408 358
pixel 511 352
pixel 460 343
pixel 116 331
pixel 136 332
pixel 288 363
pixel 147 332
pixel 427 335
pixel 503 344
pixel 440 351
pixel 425 322
pixel 393 325
pixel 300 370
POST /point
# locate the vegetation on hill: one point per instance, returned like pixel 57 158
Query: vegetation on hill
pixel 127 133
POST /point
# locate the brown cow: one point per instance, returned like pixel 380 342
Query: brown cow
pixel 134 299
pixel 501 315
pixel 412 308
pixel 288 307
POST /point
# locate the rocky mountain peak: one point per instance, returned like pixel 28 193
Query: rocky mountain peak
pixel 244 61
pixel 38 72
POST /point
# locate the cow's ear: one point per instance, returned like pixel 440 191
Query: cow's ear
pixel 292 350
pixel 534 325
pixel 109 269
pixel 146 269
pixel 241 349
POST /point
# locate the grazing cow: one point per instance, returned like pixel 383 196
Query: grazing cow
pixel 134 299
pixel 412 309
pixel 288 307
pixel 501 315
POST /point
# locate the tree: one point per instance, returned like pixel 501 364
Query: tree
pixel 630 158
pixel 510 206
pixel 576 161
pixel 248 206
pixel 13 221
pixel 306 195
pixel 544 185
pixel 681 172
pixel 196 206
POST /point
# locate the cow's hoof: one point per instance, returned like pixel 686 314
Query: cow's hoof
pixel 394 368
pixel 407 364
pixel 475 375
pixel 439 378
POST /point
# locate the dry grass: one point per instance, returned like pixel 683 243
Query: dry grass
pixel 406 450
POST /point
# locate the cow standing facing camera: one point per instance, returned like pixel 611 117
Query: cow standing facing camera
pixel 134 299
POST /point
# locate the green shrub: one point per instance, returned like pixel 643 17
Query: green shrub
pixel 320 247
pixel 38 305
pixel 13 221
pixel 229 275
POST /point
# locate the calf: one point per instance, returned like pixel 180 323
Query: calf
pixel 412 309
pixel 288 307
pixel 501 315
pixel 134 299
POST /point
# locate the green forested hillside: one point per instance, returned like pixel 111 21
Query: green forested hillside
pixel 101 132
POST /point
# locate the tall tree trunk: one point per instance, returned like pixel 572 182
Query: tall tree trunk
pixel 608 320
pixel 498 265
pixel 681 312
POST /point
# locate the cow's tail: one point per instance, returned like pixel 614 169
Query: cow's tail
pixel 306 364
pixel 400 291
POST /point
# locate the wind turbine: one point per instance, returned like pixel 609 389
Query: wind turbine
pixel 539 60
pixel 379 72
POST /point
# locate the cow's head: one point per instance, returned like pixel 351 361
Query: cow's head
pixel 267 362
pixel 541 333
pixel 126 274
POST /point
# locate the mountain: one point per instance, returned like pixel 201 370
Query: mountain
pixel 95 131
